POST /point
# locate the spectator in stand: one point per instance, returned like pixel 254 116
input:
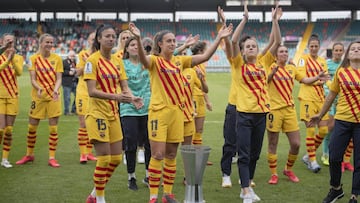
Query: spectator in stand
pixel 69 82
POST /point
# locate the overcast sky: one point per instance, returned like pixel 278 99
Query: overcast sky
pixel 183 15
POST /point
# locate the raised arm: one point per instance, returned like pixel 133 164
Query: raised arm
pixel 237 33
pixel 190 40
pixel 145 60
pixel 271 37
pixel 275 29
pixel 223 32
pixel 226 45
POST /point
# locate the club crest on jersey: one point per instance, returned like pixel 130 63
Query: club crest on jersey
pixel 118 67
pixel 177 63
pixel 52 62
pixel 301 62
pixel 188 77
pixel 88 68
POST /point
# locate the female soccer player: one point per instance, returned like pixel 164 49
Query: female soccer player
pixel 11 66
pixel 166 116
pixel 123 36
pixel 347 122
pixel 282 115
pixel 252 102
pixel 333 63
pixel 45 72
pixel 201 99
pixel 134 121
pixel 311 99
pixel 82 100
pixel 107 86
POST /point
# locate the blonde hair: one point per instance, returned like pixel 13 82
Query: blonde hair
pixel 42 38
pixel 120 45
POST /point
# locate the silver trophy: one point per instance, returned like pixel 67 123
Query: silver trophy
pixel 194 158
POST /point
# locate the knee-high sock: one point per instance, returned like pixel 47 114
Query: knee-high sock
pixel 89 146
pixel 53 140
pixel 1 134
pixel 31 139
pixel 310 143
pixel 7 142
pixel 348 151
pixel 290 161
pixel 323 131
pixel 272 161
pixel 326 144
pixel 100 172
pixel 197 139
pixel 169 175
pixel 155 168
pixel 82 140
pixel 115 160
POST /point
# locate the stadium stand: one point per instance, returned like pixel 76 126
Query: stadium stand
pixel 71 34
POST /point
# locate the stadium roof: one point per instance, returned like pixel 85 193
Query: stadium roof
pixel 162 6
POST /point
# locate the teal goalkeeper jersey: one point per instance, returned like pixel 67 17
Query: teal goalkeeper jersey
pixel 139 83
pixel 332 67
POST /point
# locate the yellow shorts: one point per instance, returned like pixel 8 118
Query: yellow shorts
pixel 82 103
pixel 166 125
pixel 189 128
pixel 9 106
pixel 40 109
pixel 103 130
pixel 309 109
pixel 284 119
pixel 200 107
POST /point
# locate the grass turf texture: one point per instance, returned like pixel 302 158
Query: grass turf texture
pixel 72 182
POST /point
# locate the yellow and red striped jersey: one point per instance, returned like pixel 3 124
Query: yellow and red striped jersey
pixel 8 73
pixel 167 87
pixel 81 89
pixel 190 79
pixel 251 84
pixel 107 74
pixel 198 89
pixel 346 83
pixel 119 54
pixel 45 70
pixel 282 84
pixel 232 91
pixel 312 68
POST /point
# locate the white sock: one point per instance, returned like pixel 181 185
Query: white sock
pixel 93 192
pixel 151 196
pixel 146 173
pixel 100 199
pixel 131 175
